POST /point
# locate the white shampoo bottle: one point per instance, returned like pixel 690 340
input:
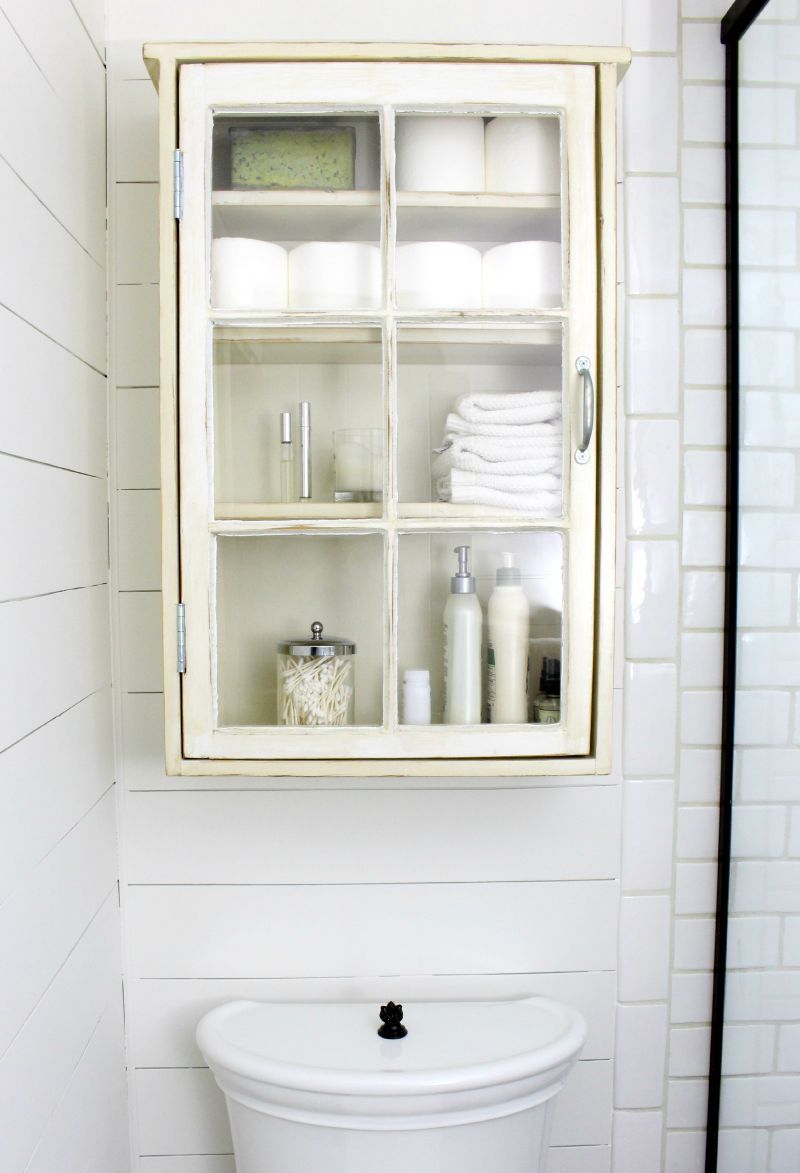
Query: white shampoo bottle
pixel 463 622
pixel 507 654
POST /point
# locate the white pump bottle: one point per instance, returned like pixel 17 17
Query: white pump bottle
pixel 463 622
pixel 507 656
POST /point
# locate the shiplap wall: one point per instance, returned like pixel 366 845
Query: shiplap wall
pixel 62 1064
pixel 246 888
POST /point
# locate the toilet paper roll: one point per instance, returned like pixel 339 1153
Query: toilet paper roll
pixel 439 154
pixel 438 274
pixel 331 275
pixel 523 155
pixel 523 275
pixel 248 274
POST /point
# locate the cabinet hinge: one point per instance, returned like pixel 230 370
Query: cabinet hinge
pixel 181 635
pixel 177 184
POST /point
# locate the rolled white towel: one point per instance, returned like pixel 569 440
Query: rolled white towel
pixel 456 425
pixel 543 503
pixel 517 462
pixel 459 478
pixel 509 407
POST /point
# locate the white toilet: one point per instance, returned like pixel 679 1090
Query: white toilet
pixel 313 1088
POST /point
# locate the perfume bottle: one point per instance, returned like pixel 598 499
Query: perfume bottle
pixel 287 458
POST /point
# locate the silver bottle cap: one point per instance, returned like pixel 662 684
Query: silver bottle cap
pixel 462 583
pixel 286 427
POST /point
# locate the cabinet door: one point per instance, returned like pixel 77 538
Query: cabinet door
pixel 408 311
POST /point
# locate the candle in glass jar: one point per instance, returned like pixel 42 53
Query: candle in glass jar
pixel 357 464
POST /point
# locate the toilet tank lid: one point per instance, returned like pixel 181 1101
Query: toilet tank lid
pixel 335 1047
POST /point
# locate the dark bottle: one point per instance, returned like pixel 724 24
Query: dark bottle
pixel 547 702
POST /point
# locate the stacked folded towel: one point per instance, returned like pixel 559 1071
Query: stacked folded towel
pixel 502 449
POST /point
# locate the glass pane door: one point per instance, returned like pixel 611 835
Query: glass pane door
pixel 388 275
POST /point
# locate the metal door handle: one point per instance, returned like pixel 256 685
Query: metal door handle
pixel 583 367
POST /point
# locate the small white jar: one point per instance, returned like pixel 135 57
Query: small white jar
pixel 417 697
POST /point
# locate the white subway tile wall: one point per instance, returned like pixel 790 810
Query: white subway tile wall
pixel 676 498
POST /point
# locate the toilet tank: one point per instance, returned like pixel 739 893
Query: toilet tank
pixel 313 1087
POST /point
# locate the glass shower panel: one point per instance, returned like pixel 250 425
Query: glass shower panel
pixel 760 1095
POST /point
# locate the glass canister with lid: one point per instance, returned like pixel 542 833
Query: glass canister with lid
pixel 315 680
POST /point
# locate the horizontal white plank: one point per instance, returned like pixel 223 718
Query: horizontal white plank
pixel 41 922
pixel 133 118
pixel 582 1159
pixel 186 1165
pixel 55 141
pixel 548 24
pixel 37 1067
pixel 137 438
pixel 93 18
pixel 142 739
pixel 583 1108
pixel 124 59
pixel 58 44
pixel 134 229
pixel 182 1111
pixel 46 277
pixel 53 407
pixel 88 1132
pixel 140 640
pixel 138 539
pixel 134 335
pixel 557 833
pixel 143 726
pixel 55 652
pixel 56 522
pixel 336 930
pixel 163 1015
pixel 48 782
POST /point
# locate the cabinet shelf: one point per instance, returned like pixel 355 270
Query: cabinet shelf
pixel 488 217
pixel 250 523
pixel 295 198
pixel 255 321
pixel 480 218
pixel 473 515
pixel 297 215
pixel 297 511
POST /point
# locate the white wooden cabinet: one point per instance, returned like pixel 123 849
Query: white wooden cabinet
pixel 246 569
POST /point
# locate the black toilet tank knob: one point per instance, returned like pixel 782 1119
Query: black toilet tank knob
pixel 392 1019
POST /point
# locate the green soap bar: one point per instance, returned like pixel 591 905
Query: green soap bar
pixel 300 158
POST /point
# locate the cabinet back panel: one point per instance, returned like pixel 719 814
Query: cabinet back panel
pixel 271 589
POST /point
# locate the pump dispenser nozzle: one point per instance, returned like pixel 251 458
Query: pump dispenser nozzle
pixel 462 583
